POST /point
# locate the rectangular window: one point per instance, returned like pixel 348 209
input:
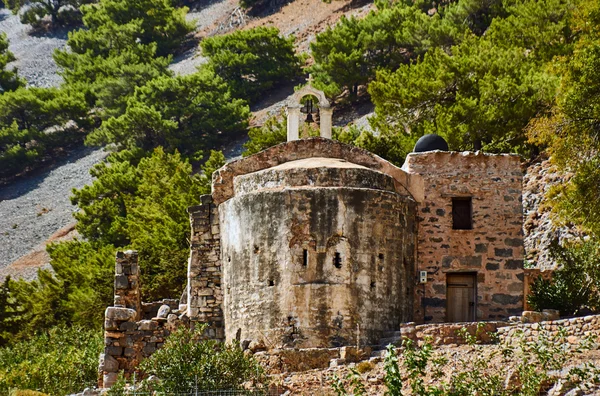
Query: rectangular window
pixel 462 213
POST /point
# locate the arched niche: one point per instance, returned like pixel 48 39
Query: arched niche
pixel 293 112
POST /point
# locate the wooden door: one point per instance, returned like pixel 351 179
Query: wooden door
pixel 461 297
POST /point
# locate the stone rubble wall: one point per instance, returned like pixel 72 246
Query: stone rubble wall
pixel 204 294
pixel 493 249
pixel 450 333
pixel 279 361
pixel 577 330
pixel 133 330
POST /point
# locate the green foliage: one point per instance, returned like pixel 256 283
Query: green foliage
pixel 480 96
pixel 9 80
pixel 61 12
pixel 273 132
pixel 576 283
pixel 37 122
pixel 10 313
pixel 141 203
pixel 76 291
pixel 393 376
pixel 187 361
pixel 61 361
pixel 252 61
pixel 186 113
pixel 141 21
pixel 528 364
pixel 396 33
pixel 125 44
pixel 570 131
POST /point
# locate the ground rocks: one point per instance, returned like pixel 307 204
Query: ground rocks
pixel 32 209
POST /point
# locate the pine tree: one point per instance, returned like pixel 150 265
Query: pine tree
pixel 252 61
pixel 9 80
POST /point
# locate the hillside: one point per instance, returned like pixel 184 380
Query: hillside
pixel 35 208
pixel 26 240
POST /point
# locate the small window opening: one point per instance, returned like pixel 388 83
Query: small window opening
pixel 270 282
pixel 372 285
pixel 256 249
pixel 381 256
pixel 337 260
pixel 462 213
pixel 305 258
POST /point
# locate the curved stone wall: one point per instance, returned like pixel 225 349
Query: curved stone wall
pixel 308 266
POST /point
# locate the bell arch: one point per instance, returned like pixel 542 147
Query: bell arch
pixel 293 112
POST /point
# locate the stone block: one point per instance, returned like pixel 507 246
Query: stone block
pixel 532 317
pixel 163 311
pixel 503 252
pixel 110 324
pixel 120 314
pixel 121 282
pixel 149 349
pixel 506 299
pixel 109 379
pixel 113 350
pixel 108 363
pixel 551 314
pixel 129 352
pixel 128 326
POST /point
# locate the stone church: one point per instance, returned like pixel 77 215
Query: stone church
pixel 315 243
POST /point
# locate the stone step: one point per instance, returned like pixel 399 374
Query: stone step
pixel 384 342
pixel 390 334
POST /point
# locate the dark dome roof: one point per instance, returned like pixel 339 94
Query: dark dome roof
pixel 429 143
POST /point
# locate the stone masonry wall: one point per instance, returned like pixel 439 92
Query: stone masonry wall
pixel 204 294
pixel 576 330
pixel 493 249
pixel 450 333
pixel 129 333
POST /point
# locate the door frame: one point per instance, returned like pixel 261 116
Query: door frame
pixel 466 273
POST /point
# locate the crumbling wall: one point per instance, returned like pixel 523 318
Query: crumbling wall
pixel 204 294
pixel 133 330
pixel 493 248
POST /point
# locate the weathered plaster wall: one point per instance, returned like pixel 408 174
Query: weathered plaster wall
pixel 204 294
pixel 271 295
pixel 493 248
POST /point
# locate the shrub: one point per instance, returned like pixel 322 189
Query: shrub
pixel 186 361
pixel 576 283
pixel 61 361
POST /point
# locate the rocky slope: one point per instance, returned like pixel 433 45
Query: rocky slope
pixel 33 52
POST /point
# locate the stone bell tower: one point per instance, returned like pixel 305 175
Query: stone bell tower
pixel 293 112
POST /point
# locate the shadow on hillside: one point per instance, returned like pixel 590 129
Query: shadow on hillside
pixel 279 94
pixel 22 184
pixel 4 14
pixel 197 6
pixel 263 8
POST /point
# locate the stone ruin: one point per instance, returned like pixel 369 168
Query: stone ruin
pixel 317 244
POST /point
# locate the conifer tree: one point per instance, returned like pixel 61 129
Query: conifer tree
pixel 9 80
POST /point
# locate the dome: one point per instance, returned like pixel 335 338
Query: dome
pixel 430 143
